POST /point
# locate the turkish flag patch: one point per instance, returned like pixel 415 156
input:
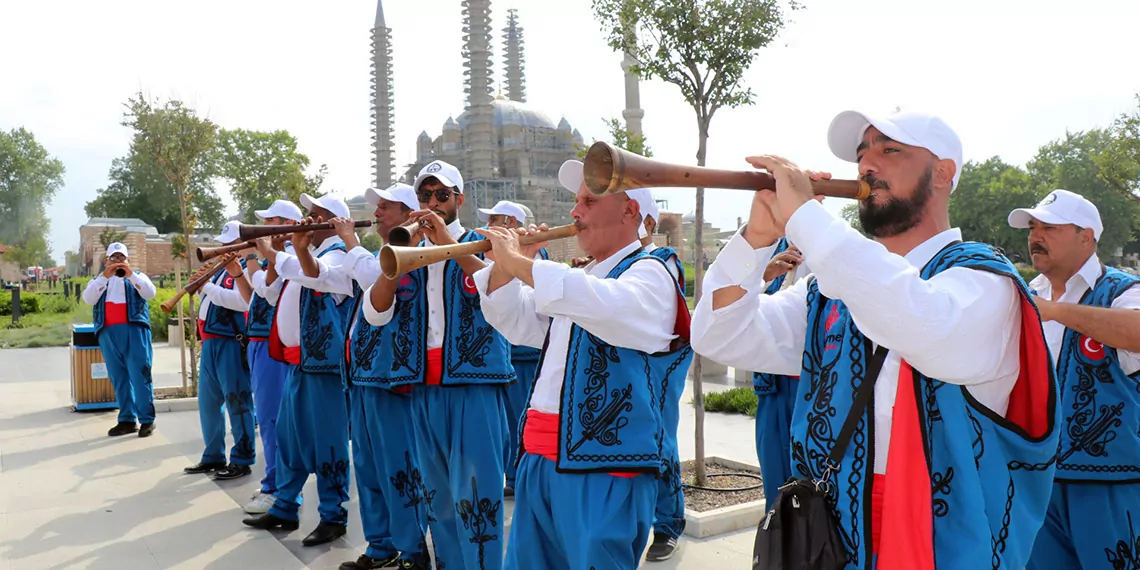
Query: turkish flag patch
pixel 469 285
pixel 1092 349
pixel 228 282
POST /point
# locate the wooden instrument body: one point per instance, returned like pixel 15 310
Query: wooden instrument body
pixel 398 260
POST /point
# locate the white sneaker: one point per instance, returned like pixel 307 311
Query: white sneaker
pixel 260 505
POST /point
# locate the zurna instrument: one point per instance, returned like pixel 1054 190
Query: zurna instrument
pixel 398 260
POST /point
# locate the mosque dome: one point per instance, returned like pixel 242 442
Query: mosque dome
pixel 509 112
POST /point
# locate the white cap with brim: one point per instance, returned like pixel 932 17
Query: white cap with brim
pixel 116 247
pixel 399 192
pixel 281 209
pixel 447 175
pixel 334 205
pixel 571 174
pixel 907 127
pixel 229 233
pixel 503 208
pixel 1060 207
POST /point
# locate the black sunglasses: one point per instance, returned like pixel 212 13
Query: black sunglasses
pixel 441 195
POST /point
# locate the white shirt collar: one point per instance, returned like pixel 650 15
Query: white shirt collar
pixel 329 242
pixel 921 255
pixel 604 268
pixel 649 248
pixel 1088 273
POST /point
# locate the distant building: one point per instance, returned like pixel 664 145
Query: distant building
pixel 150 251
pixel 9 270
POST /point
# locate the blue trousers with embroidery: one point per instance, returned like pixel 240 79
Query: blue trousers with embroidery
pixel 223 381
pixel 578 521
pixel 460 431
pixel 774 435
pixel 518 396
pixel 1089 526
pixel 669 512
pixel 312 437
pixel 128 354
pixel 268 379
pixel 393 511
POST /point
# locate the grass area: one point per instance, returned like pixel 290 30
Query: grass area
pixel 740 400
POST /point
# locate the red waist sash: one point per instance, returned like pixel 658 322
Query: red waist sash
pixel 434 367
pixel 114 314
pixel 540 437
pixel 293 355
pixel 205 335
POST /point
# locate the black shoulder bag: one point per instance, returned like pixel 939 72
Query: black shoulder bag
pixel 800 531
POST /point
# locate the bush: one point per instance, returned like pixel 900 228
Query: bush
pixel 1027 273
pixel 57 304
pixel 740 400
pixel 29 303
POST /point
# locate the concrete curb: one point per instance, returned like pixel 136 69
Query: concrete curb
pixel 176 405
pixel 726 519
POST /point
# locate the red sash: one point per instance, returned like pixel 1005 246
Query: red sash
pixel 276 347
pixel 434 367
pixel 540 437
pixel 114 314
pixel 292 355
pixel 202 334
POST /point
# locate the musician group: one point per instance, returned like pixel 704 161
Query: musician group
pixel 1000 429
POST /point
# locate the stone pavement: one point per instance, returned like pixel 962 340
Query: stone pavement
pixel 70 497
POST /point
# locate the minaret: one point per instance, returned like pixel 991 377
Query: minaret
pixel 477 51
pixel 383 140
pixel 515 63
pixel 632 112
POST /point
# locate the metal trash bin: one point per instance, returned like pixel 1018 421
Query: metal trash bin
pixel 91 387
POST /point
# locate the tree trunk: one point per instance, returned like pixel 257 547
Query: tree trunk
pixel 187 229
pixel 698 276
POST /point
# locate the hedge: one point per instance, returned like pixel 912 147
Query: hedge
pixel 29 303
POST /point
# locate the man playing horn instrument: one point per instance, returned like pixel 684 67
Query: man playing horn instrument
pixel 267 374
pixel 951 463
pixel 615 335
pixel 224 374
pixel 385 461
pixel 122 325
pixel 457 365
pixel 308 334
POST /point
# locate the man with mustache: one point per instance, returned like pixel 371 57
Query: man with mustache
pixel 949 465
pixel 614 336
pixel 1093 329
pixel 456 365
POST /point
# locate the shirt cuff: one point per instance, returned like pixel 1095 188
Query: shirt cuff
pixel 374 317
pixel 483 279
pixel 813 229
pixel 739 264
pixel 548 280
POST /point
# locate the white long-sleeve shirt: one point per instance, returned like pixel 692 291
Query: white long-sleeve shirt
pixel 114 286
pixel 637 311
pixel 1075 288
pixel 437 319
pixel 272 291
pixel 289 302
pixel 962 326
pixel 363 266
pixel 214 294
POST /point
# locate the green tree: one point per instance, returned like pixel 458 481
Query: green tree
pixel 703 47
pixel 262 167
pixel 1119 160
pixel 370 240
pixel 139 189
pixel 850 212
pixel 177 140
pixel 29 179
pixel 987 192
pixel 621 138
pixel 110 235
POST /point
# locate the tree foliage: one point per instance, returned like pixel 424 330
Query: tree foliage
pixel 1119 161
pixel 110 235
pixel 262 167
pixel 621 138
pixel 138 189
pixel 29 179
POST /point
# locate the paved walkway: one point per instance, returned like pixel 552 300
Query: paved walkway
pixel 72 498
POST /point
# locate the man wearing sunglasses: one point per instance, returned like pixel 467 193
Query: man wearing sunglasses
pixel 457 366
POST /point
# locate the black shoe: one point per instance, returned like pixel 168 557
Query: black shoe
pixel 662 548
pixel 122 428
pixel 270 522
pixel 366 562
pixel 146 429
pixel 325 532
pixel 409 564
pixel 204 468
pixel 232 472
pixel 508 491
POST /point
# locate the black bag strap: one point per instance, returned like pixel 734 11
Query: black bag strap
pixel 862 398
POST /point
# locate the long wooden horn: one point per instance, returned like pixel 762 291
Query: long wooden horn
pixel 207 253
pixel 609 169
pixel 204 274
pixel 398 260
pixel 248 232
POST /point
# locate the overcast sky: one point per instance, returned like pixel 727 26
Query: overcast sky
pixel 1009 75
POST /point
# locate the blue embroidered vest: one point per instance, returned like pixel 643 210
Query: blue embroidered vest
pixel 616 402
pixel 138 311
pixel 523 353
pixel 260 314
pixel 765 384
pixel 990 481
pixel 322 328
pixel 473 351
pixel 366 343
pixel 220 320
pixel 669 255
pixel 1100 403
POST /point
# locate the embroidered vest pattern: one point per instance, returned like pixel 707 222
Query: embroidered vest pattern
pixel 322 328
pixel 1100 439
pixel 523 353
pixel 221 321
pixel 138 310
pixel 261 314
pixel 990 482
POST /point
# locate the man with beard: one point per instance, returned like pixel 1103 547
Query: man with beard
pixel 1093 330
pixel 950 462
pixel 384 457
pixel 457 365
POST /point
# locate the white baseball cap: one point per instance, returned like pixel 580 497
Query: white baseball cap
pixel 116 247
pixel 398 192
pixel 229 233
pixel 645 202
pixel 334 205
pixel 505 208
pixel 907 127
pixel 1058 208
pixel 571 174
pixel 281 209
pixel 447 174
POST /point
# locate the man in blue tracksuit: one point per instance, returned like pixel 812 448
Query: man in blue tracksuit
pixel 1092 326
pixel 122 325
pixel 524 358
pixel 267 374
pixel 223 372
